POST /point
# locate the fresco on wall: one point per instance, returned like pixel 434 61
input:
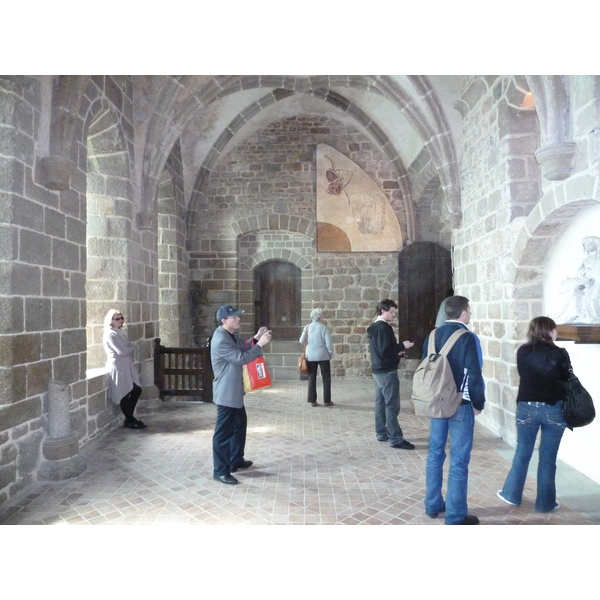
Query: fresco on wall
pixel 579 294
pixel 353 213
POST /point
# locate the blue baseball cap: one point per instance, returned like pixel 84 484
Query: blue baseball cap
pixel 228 311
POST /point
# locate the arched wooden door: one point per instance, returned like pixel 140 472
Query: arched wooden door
pixel 277 299
pixel 424 280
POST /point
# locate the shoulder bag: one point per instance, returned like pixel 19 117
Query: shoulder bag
pixel 302 364
pixel 578 407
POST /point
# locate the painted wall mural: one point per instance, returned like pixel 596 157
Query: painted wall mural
pixel 353 213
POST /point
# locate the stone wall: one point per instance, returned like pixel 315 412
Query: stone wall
pixel 44 297
pixel 501 183
pixel 512 216
pixel 259 203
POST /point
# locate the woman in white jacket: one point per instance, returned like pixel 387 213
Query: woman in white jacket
pixel 319 351
pixel 124 383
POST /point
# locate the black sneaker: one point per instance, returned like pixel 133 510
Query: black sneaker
pixel 245 464
pixel 404 445
pixel 469 520
pixel 137 424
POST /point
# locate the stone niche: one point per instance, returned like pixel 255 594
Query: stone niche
pixel 572 281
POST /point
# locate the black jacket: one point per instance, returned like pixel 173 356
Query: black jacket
pixel 544 370
pixel 384 347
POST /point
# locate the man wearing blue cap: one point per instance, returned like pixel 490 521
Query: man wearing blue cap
pixel 228 354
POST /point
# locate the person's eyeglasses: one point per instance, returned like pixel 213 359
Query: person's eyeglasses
pixel 118 318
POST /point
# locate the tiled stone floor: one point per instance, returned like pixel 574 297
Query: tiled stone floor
pixel 312 466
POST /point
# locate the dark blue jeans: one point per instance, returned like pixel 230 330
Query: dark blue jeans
pixel 460 428
pixel 325 367
pixel 531 418
pixel 229 439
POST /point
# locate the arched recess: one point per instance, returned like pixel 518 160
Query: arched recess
pixel 247 268
pixel 431 220
pixel 531 250
pixel 173 275
pixel 109 225
pixel 527 274
pixel 277 302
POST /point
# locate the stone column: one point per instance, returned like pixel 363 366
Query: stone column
pixel 60 448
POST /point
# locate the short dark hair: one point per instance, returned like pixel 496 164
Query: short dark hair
pixel 455 305
pixel 540 330
pixel 385 305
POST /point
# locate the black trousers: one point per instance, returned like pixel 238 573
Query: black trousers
pixel 128 403
pixel 229 439
pixel 325 367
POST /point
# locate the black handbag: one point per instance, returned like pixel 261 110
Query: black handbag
pixel 578 408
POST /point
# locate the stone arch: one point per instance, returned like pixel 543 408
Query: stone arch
pixel 431 222
pixel 202 91
pixel 110 216
pixel 389 285
pixel 526 274
pixel 247 264
pixel 275 222
pixel 550 218
pixel 341 103
pixel 595 133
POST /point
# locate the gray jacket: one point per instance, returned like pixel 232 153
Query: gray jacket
pixel 319 345
pixel 228 353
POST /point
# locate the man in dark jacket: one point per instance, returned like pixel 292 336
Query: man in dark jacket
pixel 385 358
pixel 465 361
pixel 228 354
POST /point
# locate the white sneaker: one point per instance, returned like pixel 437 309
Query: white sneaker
pixel 504 499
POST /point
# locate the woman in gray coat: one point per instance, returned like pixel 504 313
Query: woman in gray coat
pixel 124 383
pixel 319 351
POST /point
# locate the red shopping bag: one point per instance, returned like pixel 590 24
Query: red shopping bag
pixel 256 375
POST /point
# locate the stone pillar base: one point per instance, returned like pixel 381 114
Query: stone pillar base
pixel 59 470
pixel 62 459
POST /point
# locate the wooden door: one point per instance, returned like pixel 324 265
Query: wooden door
pixel 424 280
pixel 277 299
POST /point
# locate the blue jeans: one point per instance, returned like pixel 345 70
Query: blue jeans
pixel 460 427
pixel 532 417
pixel 325 367
pixel 229 439
pixel 387 407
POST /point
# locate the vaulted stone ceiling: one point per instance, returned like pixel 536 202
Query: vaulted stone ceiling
pixel 211 114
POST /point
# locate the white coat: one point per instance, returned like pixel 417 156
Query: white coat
pixel 121 370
